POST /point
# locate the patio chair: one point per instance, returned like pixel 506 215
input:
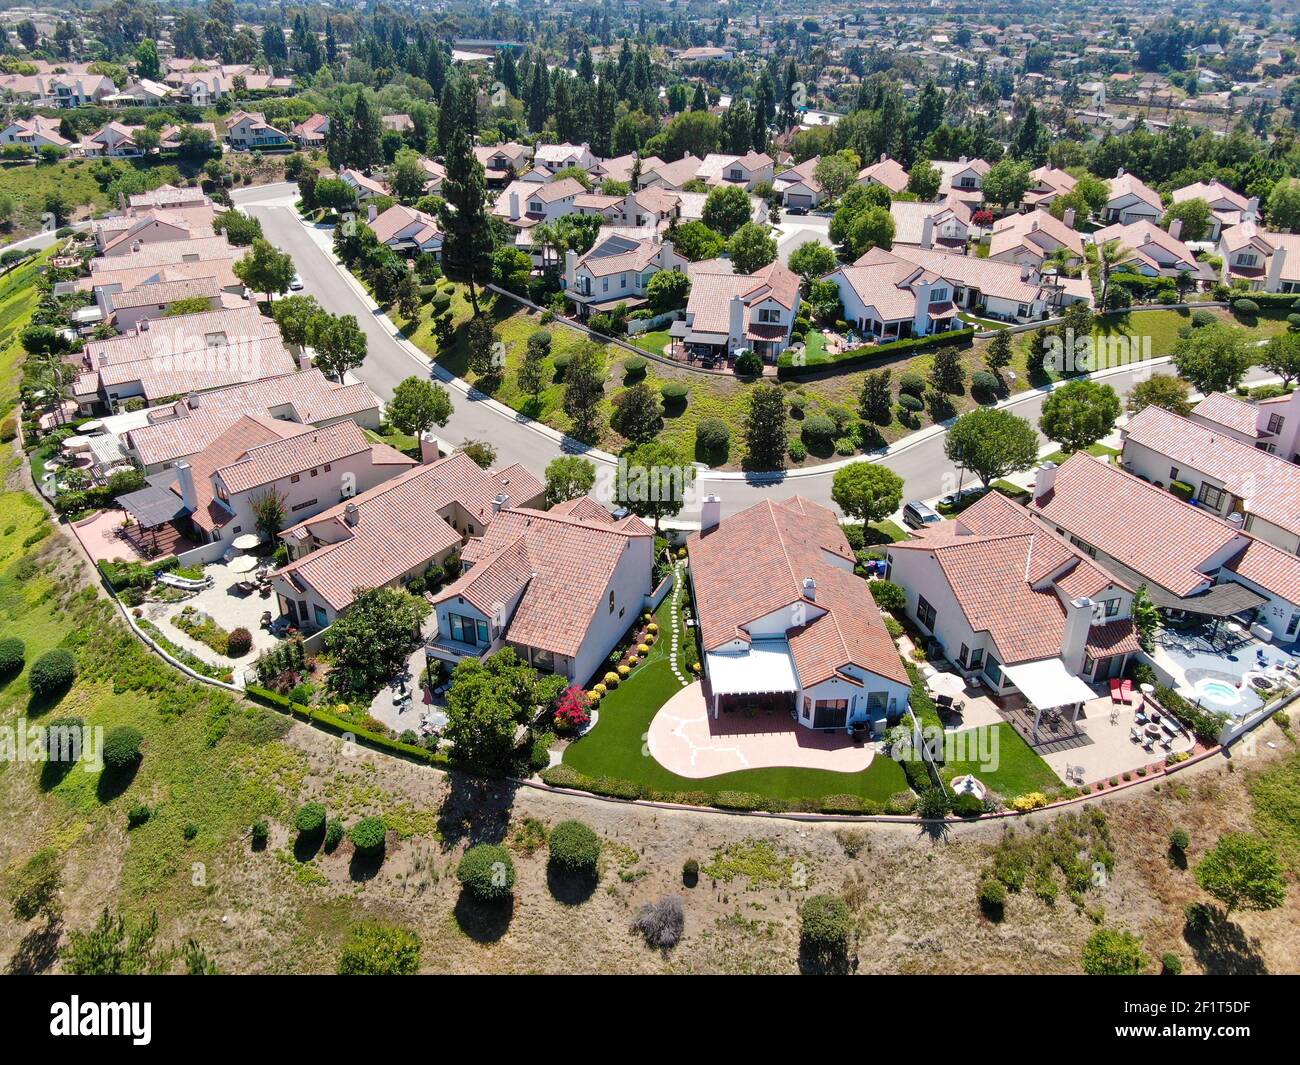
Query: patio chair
pixel 1126 691
pixel 1115 695
pixel 1135 734
pixel 1148 744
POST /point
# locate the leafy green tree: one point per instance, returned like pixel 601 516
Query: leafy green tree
pixel 947 371
pixel 998 354
pixel 871 228
pixel 697 241
pixel 488 702
pixel 463 218
pixel 1146 619
pixel 147 63
pixel 487 872
pixel 836 173
pixel 991 443
pixel 417 405
pixel 370 642
pixel 1109 952
pixel 654 482
pixel 726 209
pixel 1080 413
pixel 1284 204
pixel 375 949
pixel 531 375
pixel 1007 182
pixel 114 948
pixel 265 269
pixel 1195 216
pixel 338 342
pixel 638 414
pixel 294 315
pixel 876 401
pixel 812 260
pixel 269 511
pixel 34 890
pixel 867 491
pixel 584 388
pixel 751 248
pixel 481 452
pixel 766 433
pixel 407 176
pixel 923 180
pixel 1243 872
pixel 1161 390
pixel 668 291
pixel 568 477
pixel 1282 357
pixel 1214 358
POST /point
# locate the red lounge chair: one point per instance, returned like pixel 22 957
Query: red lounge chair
pixel 1115 694
pixel 1126 691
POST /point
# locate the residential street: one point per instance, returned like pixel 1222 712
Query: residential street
pixel 922 464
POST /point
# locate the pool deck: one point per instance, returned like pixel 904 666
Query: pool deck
pixel 1196 663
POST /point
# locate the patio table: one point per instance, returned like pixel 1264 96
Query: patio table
pixel 1153 731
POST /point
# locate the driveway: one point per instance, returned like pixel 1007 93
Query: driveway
pixel 795 230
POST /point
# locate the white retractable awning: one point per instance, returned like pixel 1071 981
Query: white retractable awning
pixel 764 668
pixel 1048 684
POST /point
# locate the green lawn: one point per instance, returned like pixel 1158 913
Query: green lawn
pixel 1019 770
pixel 614 748
pixel 654 341
pixel 18 300
pixel 1098 451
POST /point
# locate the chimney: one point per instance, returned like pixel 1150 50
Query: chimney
pixel 1044 479
pixel 962 159
pixel 1120 172
pixel 1033 225
pixel 921 315
pixel 1068 218
pixel 514 204
pixel 1078 620
pixel 927 232
pixel 1176 229
pixel 1252 210
pixel 351 514
pixel 500 503
pixel 1025 270
pixel 185 474
pixel 810 589
pixel 736 323
pixel 666 256
pixel 1274 281
pixel 710 512
pixel 884 156
pixel 193 401
pixel 571 269
pixel 372 212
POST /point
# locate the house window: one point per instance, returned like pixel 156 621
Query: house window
pixel 1112 607
pixel 322 619
pixel 604 284
pixel 1275 423
pixel 807 708
pixel 963 654
pixel 611 601
pixel 736 175
pixel 468 630
pixel 315 472
pixel 831 713
pixel 303 505
pixel 1173 473
pixel 1086 548
pixel 925 613
pixel 977 658
pixel 938 295
pixel 328 467
pixel 769 315
pixel 1023 311
pixel 294 479
pixel 1210 496
pixel 1247 259
pixel 993 670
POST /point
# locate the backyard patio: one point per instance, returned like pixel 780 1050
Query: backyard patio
pixel 1225 668
pixel 105 539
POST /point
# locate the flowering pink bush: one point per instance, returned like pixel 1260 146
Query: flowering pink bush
pixel 571 713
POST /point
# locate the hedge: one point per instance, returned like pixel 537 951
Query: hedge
pixel 786 368
pixel 341 726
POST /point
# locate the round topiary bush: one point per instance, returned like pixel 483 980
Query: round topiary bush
pixel 52 673
pixel 260 832
pixel 796 401
pixel 13 654
pixel 993 897
pixel 749 364
pixel 690 872
pixel 574 848
pixel 712 436
pixel 1202 318
pixel 825 925
pixel 1246 308
pixel 983 383
pixel 238 643
pixel 367 835
pixel 912 384
pixel 634 367
pixel 122 747
pixel 818 427
pixel 674 393
pixel 562 361
pixel 487 872
pixel 310 820
pixel 333 833
pixel 910 403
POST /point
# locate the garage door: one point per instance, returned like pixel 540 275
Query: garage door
pixel 798 199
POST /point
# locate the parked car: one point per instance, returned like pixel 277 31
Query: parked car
pixel 296 283
pixel 917 514
pixel 796 210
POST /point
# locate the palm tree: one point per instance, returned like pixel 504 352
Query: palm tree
pixel 547 238
pixel 1108 255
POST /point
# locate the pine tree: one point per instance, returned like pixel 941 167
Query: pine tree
pixel 467 232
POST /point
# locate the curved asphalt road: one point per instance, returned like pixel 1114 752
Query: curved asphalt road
pixel 922 464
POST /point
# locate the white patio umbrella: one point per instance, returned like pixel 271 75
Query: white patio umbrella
pixel 246 542
pixel 243 564
pixel 946 684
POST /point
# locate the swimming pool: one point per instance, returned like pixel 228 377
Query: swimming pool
pixel 1215 693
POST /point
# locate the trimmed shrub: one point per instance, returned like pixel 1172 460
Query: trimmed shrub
pixel 674 393
pixel 368 834
pixel 634 367
pixel 992 898
pixel 260 832
pixel 888 596
pixel 690 872
pixel 487 872
pixel 967 805
pixel 1171 965
pixel 238 643
pixel 310 820
pixel 825 925
pixel 574 848
pixel 1179 841
pixel 333 833
pixel 749 364
pixel 122 747
pixel 1202 318
pixel 52 673
pixel 1245 308
pixel 910 403
pixel 13 655
pixel 712 436
pixel 798 451
pixel 138 815
pixel 983 383
pixel 912 384
pixel 819 427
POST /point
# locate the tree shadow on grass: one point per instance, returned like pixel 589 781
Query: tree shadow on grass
pixel 1223 948
pixel 37 950
pixel 365 865
pixel 476 810
pixel 483 922
pixel 308 845
pixel 113 782
pixel 42 704
pixel 570 889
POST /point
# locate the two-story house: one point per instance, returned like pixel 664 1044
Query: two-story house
pixel 1272 425
pixel 1129 199
pixel 616 270
pixel 1262 259
pixel 246 130
pixel 728 312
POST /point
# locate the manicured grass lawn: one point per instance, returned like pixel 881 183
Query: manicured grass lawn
pixel 614 748
pixel 655 340
pixel 1100 451
pixel 1019 769
pixel 408 445
pixel 18 300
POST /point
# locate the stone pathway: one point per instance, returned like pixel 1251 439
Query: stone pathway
pixel 677 624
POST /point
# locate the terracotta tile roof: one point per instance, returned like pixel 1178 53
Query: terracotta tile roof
pixel 163 252
pixel 306 449
pixel 673 175
pixel 1271 568
pixel 398 217
pixel 880 281
pixel 565 562
pixel 1003 569
pixel 909 218
pixel 753 564
pixel 992 278
pixel 1230 412
pixel 1038 228
pixel 1141 235
pixel 161 293
pixel 400 526
pixel 1268 486
pixel 1132 185
pixel 1212 192
pixel 887 172
pixel 708 307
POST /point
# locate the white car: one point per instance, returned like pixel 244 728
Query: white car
pixel 296 283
